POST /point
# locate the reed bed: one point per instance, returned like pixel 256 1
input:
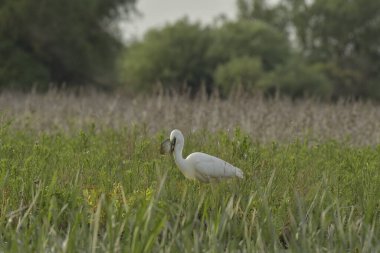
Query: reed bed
pixel 265 120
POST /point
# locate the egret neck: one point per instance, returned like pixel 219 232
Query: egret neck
pixel 181 163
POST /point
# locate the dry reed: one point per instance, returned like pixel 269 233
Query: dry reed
pixel 265 120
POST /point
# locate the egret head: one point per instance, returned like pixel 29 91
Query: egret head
pixel 176 139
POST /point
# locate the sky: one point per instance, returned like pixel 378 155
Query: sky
pixel 156 13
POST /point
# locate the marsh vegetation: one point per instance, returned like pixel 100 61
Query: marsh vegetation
pixel 83 173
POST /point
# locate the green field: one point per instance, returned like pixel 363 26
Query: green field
pixel 110 190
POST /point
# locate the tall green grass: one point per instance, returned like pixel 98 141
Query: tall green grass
pixel 111 191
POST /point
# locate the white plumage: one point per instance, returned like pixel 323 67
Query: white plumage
pixel 200 166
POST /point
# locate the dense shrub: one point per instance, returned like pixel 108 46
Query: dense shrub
pixel 61 41
pixel 174 56
pixel 244 71
pixel 247 38
pixel 187 54
pixel 298 79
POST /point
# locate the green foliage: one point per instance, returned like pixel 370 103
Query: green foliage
pixel 298 79
pixel 59 41
pixel 343 34
pixel 276 15
pixel 174 56
pixel 76 42
pixel 188 54
pixel 112 191
pixel 19 68
pixel 243 71
pixel 247 38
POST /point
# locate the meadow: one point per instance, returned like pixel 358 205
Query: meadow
pixel 83 173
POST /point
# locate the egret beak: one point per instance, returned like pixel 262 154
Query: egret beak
pixel 172 145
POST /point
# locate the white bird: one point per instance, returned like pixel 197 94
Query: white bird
pixel 200 166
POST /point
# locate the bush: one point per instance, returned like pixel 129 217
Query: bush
pixel 20 67
pixel 247 38
pixel 188 54
pixel 61 41
pixel 174 55
pixel 298 79
pixel 243 71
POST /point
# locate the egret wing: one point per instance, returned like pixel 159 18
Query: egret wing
pixel 210 167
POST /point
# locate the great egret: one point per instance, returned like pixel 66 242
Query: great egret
pixel 200 166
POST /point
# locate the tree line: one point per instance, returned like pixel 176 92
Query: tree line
pixel 323 48
pixel 60 42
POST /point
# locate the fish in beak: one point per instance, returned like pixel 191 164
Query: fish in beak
pixel 167 146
